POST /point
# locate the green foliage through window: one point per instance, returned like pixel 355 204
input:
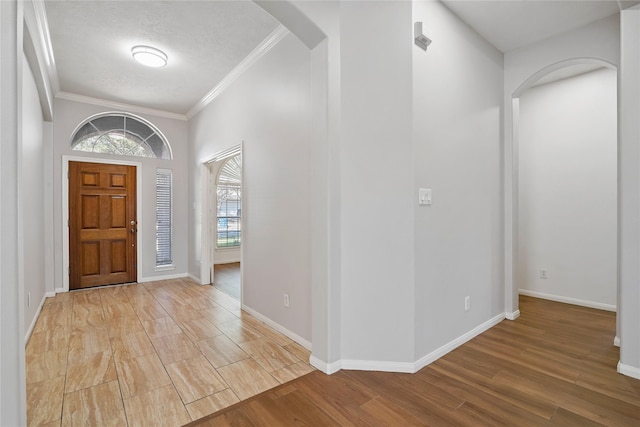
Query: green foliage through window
pixel 122 135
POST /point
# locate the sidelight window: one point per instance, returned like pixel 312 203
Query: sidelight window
pixel 164 214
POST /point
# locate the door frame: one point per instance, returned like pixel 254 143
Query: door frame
pixel 207 213
pixel 511 189
pixel 65 211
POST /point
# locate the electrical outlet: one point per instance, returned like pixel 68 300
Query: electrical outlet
pixel 544 273
pixel 467 303
pixel 286 300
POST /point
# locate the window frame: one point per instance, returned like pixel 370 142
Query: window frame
pixel 167 152
pixel 170 265
pixel 227 186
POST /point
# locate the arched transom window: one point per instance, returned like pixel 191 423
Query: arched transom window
pixel 120 134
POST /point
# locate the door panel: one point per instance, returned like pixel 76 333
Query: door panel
pixel 102 224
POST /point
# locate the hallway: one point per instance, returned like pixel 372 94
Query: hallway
pixel 158 353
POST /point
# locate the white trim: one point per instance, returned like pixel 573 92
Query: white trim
pixel 616 341
pixel 35 317
pixel 45 43
pixel 40 68
pixel 375 365
pixel 195 279
pixel 126 115
pixel 512 316
pixel 629 371
pixel 405 367
pixel 119 105
pixel 278 327
pixel 568 300
pixel 265 46
pixel 439 352
pixel 65 211
pixel 222 155
pixel 327 368
pixel 164 277
pixel 227 261
pixel 168 267
pixel 207 212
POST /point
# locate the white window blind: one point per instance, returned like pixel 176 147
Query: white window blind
pixel 164 226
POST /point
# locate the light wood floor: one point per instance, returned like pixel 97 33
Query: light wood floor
pixel 157 354
pixel 554 366
pixel 226 278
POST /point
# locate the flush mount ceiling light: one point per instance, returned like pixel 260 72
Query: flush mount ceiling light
pixel 149 56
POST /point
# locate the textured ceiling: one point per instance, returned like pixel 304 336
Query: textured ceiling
pixel 204 40
pixel 510 24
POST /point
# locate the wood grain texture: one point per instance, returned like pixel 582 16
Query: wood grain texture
pixel 96 406
pixel 147 354
pixel 159 407
pixel 553 366
pixel 195 378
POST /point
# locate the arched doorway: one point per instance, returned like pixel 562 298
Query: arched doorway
pixel 511 176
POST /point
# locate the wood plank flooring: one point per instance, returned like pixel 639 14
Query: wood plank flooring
pixel 553 366
pixel 226 278
pixel 154 354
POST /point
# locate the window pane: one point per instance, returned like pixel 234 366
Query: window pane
pixel 163 218
pixel 120 135
pixel 229 204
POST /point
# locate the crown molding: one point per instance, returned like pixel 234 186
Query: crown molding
pixel 120 106
pixel 265 46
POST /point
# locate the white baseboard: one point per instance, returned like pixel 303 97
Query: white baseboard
pixel 164 277
pixel 404 367
pixel 438 353
pixel 568 300
pixel 512 316
pixel 227 261
pixel 629 371
pixel 36 315
pixel 616 341
pixel 278 327
pixel 327 368
pixel 196 279
pixel 376 365
pixel 60 290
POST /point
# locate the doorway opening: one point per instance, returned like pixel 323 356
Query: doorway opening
pixel 222 225
pixel 565 150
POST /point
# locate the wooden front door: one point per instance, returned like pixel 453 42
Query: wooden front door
pixel 102 224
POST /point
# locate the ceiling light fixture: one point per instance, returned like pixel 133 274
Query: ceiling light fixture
pixel 149 56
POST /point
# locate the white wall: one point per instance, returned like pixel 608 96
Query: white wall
pixel 457 86
pixel 568 189
pixel 269 109
pixel 600 41
pixel 33 195
pixel 629 293
pixel 68 115
pixel 376 187
pixel 12 365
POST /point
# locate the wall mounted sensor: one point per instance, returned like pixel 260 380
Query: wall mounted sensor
pixel 421 38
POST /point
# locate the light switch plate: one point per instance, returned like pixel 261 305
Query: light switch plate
pixel 424 196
